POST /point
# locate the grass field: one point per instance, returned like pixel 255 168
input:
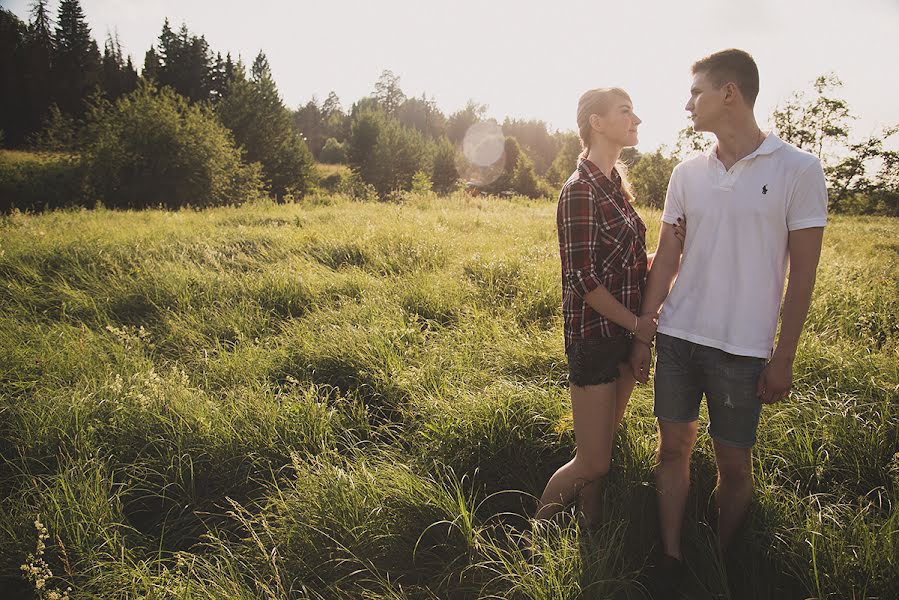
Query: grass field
pixel 337 399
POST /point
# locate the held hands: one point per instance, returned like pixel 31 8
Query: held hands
pixel 641 357
pixel 645 327
pixel 775 381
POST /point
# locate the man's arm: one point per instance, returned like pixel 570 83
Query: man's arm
pixel 804 246
pixel 664 269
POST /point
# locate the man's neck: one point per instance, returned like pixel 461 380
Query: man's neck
pixel 737 140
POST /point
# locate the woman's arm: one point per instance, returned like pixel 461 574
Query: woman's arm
pixel 579 236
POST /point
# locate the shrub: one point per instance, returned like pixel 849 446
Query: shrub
pixel 151 147
pixel 333 152
pixel 41 182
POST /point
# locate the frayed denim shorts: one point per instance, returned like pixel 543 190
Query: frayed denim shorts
pixel 594 361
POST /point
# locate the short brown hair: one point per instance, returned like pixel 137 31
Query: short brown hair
pixel 733 65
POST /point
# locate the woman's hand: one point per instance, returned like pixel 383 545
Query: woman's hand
pixel 680 230
pixel 646 327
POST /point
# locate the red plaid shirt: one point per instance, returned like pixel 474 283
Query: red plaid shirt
pixel 602 240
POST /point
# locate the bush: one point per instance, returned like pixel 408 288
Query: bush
pixel 333 152
pixel 60 132
pixel 151 147
pixel 40 182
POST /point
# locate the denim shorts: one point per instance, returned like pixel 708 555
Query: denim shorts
pixel 593 361
pixel 685 371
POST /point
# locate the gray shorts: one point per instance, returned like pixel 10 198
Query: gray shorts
pixel 685 371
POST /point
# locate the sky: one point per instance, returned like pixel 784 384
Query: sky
pixel 532 60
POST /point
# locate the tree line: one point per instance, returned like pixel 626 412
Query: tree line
pixel 194 127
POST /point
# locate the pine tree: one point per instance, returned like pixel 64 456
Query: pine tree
pixel 252 109
pixel 75 59
pixel 119 76
pixel 152 65
pixel 12 106
pixel 37 87
pixel 185 63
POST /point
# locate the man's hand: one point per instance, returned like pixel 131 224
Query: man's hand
pixel 641 356
pixel 646 327
pixel 775 381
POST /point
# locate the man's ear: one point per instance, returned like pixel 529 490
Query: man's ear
pixel 731 92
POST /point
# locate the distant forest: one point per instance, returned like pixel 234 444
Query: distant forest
pixel 123 131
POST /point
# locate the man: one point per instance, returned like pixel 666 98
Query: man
pixel 752 203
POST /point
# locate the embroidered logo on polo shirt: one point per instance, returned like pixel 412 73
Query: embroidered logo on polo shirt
pixel 764 189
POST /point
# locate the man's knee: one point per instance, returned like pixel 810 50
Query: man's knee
pixel 735 468
pixel 675 447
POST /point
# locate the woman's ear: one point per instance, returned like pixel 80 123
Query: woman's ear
pixel 596 122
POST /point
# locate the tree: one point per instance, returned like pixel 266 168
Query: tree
pixel 309 120
pixel 423 115
pixel 649 178
pixel 820 125
pixel 364 131
pixel 36 67
pixel 816 125
pixel 388 93
pixel 151 147
pixel 534 139
pixel 459 122
pixel 12 106
pixel 333 152
pixel 253 111
pixel 152 65
pixel 331 105
pixel 690 142
pixel 444 173
pixel 185 63
pixel 565 161
pixel 849 176
pixel 119 75
pixel 75 59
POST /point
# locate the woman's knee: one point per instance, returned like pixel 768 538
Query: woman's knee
pixel 590 471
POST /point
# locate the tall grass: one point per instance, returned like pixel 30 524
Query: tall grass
pixel 337 399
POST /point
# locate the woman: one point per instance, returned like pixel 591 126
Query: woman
pixel 602 243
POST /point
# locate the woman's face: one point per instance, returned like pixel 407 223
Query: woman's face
pixel 619 124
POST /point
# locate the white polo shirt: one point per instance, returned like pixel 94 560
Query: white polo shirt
pixel 730 284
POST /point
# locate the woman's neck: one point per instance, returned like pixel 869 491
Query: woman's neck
pixel 604 156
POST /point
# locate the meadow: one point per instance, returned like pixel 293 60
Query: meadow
pixel 340 399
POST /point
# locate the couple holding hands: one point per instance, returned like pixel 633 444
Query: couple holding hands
pixel 709 299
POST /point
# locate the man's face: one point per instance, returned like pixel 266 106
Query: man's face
pixel 706 103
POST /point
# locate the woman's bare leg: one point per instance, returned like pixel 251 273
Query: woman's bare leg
pixel 594 410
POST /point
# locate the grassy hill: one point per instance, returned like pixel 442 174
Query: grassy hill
pixel 356 400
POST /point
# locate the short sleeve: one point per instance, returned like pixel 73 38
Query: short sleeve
pixel 674 202
pixel 807 206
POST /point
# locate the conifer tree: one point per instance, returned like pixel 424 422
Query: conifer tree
pixel 75 59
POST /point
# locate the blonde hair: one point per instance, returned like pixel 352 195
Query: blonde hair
pixel 598 102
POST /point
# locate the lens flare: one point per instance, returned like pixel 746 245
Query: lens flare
pixel 483 153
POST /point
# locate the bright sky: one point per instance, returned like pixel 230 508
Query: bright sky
pixel 532 60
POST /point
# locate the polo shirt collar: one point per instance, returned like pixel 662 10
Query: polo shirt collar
pixel 594 175
pixel 768 146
